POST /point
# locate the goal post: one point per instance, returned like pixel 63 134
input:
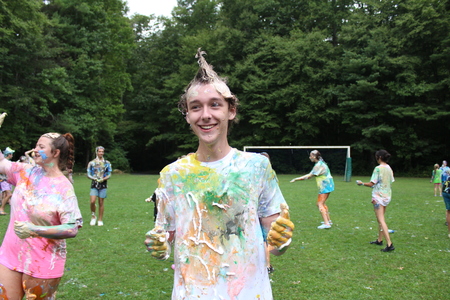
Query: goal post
pixel 295 159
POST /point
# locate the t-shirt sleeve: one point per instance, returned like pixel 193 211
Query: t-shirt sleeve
pixel 68 211
pixel 13 173
pixel 271 196
pixel 375 176
pixel 108 170
pixel 165 200
pixel 318 169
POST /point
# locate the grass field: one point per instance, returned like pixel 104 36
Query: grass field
pixel 111 262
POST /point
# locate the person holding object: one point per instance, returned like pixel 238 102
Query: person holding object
pixel 380 182
pixel 99 171
pixel 44 212
pixel 217 206
pixel 325 184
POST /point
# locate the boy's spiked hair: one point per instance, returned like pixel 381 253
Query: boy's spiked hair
pixel 206 75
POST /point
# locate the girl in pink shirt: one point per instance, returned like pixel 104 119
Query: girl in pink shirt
pixel 44 212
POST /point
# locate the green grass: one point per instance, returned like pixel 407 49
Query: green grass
pixel 110 262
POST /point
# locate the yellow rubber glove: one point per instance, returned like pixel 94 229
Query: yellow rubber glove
pixel 280 234
pixel 157 243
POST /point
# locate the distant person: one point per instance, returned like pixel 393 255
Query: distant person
pixel 436 175
pixel 44 212
pixel 325 184
pixel 155 205
pixel 5 186
pixel 444 168
pixel 380 182
pixel 218 205
pixel 30 156
pixel 99 171
pixel 446 196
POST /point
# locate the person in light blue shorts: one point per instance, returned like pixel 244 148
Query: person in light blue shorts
pixel 99 171
pixel 325 185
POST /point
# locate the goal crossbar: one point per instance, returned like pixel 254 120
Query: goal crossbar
pixel 299 147
pixel 348 163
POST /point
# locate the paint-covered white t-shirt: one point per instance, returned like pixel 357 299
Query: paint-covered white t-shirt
pixel 382 177
pixel 215 211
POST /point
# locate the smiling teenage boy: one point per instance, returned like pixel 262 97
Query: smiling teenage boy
pixel 217 206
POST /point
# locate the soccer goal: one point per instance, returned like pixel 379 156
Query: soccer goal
pixel 295 159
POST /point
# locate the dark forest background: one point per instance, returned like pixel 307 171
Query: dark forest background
pixel 370 74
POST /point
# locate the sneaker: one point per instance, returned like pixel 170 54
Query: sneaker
pixel 93 220
pixel 377 242
pixel 324 226
pixel 100 223
pixel 388 248
pixel 270 269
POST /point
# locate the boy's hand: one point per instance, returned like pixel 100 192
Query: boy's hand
pixel 157 243
pixel 280 234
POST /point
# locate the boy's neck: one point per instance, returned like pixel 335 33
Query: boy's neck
pixel 210 153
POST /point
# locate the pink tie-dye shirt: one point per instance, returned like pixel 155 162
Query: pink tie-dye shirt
pixel 43 201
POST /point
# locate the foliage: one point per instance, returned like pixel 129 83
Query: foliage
pixel 370 74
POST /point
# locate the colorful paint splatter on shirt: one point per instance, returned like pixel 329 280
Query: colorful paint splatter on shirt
pixel 43 201
pixel 324 180
pixel 382 177
pixel 215 210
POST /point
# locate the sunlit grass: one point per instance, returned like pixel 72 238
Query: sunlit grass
pixel 110 262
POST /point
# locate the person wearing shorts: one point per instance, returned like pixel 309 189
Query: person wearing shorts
pixel 446 196
pixel 380 182
pixel 5 186
pixel 325 185
pixel 99 171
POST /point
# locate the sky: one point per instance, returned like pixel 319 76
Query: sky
pixel 148 7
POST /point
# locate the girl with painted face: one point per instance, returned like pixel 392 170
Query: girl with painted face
pixel 380 182
pixel 44 212
pixel 325 185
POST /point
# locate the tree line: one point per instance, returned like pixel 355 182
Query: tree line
pixel 370 74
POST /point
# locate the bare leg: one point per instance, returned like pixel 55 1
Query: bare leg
pixel 37 288
pixel 323 208
pixel 5 199
pixel 93 207
pixel 101 208
pixel 10 284
pixel 383 228
pixel 447 217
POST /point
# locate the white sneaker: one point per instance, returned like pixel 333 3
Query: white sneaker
pixel 100 223
pixel 93 220
pixel 331 222
pixel 324 226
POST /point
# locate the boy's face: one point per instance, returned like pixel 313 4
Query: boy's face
pixel 100 153
pixel 208 114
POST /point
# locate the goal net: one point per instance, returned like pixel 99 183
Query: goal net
pixel 295 159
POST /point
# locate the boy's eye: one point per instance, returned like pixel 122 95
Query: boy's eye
pixel 215 104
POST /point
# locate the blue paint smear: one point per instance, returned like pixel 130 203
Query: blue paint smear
pixel 42 154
